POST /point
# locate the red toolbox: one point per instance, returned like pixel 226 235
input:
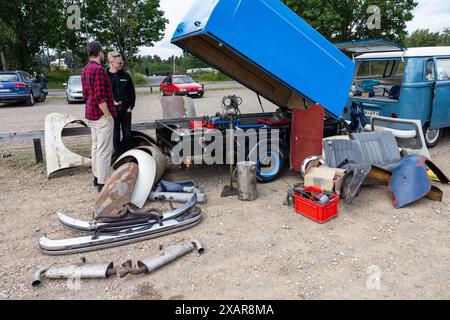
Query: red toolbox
pixel 313 210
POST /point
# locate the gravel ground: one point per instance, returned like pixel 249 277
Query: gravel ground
pixel 254 250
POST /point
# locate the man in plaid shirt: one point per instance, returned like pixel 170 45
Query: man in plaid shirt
pixel 99 112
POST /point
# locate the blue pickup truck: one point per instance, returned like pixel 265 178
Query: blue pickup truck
pixel 271 50
pixel 393 81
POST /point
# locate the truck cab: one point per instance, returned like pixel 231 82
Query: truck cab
pixel 393 81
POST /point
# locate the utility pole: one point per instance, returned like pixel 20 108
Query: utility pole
pixel 173 64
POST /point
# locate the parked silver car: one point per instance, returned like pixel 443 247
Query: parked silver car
pixel 74 91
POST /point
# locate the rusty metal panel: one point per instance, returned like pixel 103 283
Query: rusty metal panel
pixel 117 191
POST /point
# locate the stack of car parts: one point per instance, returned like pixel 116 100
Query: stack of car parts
pixel 376 155
pixel 120 216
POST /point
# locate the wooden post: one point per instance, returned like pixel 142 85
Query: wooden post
pixel 38 151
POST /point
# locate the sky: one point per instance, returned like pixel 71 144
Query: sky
pixel 429 14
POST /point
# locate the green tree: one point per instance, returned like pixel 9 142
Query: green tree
pixel 344 20
pixel 423 38
pixel 7 40
pixel 445 37
pixel 126 25
pixel 25 26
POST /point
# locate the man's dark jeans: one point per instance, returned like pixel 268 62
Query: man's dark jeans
pixel 122 121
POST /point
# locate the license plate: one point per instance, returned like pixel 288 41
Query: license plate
pixel 4 90
pixel 371 113
pixel 193 92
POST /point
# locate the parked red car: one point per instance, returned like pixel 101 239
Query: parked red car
pixel 181 85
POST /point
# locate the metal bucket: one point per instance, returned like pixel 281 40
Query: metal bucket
pixel 246 180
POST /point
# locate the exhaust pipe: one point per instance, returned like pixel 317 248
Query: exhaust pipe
pixel 85 271
pixel 153 263
pixel 105 270
pixel 37 277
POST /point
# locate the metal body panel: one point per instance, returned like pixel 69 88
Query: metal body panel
pixel 160 159
pixel 409 181
pixel 117 191
pixel 146 175
pixel 268 48
pixel 57 156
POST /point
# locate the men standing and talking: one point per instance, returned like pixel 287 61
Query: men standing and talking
pixel 99 112
pixel 124 101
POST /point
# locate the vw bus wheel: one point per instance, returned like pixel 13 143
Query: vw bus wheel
pixel 432 137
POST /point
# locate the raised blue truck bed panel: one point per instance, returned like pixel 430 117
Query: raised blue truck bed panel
pixel 270 49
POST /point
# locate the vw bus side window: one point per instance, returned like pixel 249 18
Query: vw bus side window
pixel 375 69
pixel 443 69
pixel 430 71
pixel 400 69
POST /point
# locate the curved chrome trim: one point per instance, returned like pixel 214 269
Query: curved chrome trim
pixel 85 226
pixel 88 243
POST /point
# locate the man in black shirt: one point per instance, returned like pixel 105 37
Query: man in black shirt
pixel 124 101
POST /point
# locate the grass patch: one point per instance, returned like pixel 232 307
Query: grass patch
pixel 211 77
pixel 139 79
pixel 23 159
pixel 57 78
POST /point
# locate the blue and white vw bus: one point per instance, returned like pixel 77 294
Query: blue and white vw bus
pixel 392 81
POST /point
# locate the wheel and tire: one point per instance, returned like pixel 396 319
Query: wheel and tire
pixel 270 165
pixel 30 100
pixel 42 97
pixel 432 137
pixel 161 92
pixel 200 95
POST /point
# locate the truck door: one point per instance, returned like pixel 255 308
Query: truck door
pixel 440 115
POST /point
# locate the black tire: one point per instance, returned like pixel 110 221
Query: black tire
pixel 161 93
pixel 30 101
pixel 200 95
pixel 69 101
pixel 432 137
pixel 42 97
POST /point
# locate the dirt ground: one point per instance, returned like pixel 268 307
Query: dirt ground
pixel 253 250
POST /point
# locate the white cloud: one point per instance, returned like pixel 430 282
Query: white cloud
pixel 174 11
pixel 429 14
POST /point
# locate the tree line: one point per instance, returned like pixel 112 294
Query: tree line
pixel 33 32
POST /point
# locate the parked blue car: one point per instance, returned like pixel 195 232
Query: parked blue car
pixel 393 81
pixel 19 86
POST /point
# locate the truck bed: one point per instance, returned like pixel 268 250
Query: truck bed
pixel 268 48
